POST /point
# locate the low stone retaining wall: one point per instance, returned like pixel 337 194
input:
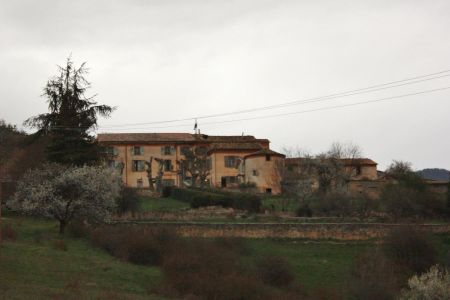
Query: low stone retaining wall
pixel 335 231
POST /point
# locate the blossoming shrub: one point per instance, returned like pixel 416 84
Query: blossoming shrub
pixel 67 193
pixel 434 284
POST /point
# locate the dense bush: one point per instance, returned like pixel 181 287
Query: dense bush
pixel 206 270
pixel 199 268
pixel 166 191
pixel 143 251
pixel 304 211
pixel 137 245
pixel 275 271
pixel 128 201
pixel 373 278
pixel 339 204
pixel 381 272
pixel 199 198
pixel 411 249
pixel 402 200
pixel 332 204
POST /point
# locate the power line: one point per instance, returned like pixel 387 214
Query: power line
pixel 303 111
pixel 369 89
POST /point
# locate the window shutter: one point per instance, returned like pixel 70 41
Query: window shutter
pixel 115 151
pixel 162 150
pixel 132 150
pixel 172 150
pixel 141 150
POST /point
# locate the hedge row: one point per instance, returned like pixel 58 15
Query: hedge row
pixel 198 198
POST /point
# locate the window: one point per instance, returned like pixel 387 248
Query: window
pixel 231 162
pixel 110 150
pixel 167 150
pixel 137 150
pixel 168 165
pixel 358 170
pixel 185 149
pixel 228 180
pixel 267 157
pixel 269 191
pixel 255 172
pixel 138 166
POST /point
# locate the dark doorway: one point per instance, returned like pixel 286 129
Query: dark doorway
pixel 224 182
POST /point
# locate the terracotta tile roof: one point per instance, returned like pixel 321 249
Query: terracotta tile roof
pixel 229 138
pixel 358 161
pixel 175 137
pixel 345 161
pixel 234 146
pixel 264 152
pixel 144 137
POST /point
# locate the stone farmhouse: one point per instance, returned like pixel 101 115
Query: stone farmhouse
pixel 233 160
pixel 360 174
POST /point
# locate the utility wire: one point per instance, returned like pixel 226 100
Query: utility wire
pixel 369 89
pixel 303 111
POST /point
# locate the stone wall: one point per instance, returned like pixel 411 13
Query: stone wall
pixel 335 231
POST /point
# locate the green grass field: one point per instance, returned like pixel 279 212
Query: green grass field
pixel 276 203
pixel 32 267
pixel 326 263
pixel 161 204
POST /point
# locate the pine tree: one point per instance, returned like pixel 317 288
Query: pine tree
pixel 71 118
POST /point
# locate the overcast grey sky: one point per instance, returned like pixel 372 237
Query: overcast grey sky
pixel 165 60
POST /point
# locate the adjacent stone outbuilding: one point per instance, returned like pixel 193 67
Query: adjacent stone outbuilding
pixel 264 169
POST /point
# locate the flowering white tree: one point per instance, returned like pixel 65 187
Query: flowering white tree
pixel 65 193
pixel 435 284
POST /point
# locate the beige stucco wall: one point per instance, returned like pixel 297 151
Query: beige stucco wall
pixel 218 169
pixel 268 172
pixel 130 177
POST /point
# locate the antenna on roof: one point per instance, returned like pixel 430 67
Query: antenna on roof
pixel 195 126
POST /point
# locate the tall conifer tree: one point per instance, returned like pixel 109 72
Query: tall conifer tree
pixel 71 118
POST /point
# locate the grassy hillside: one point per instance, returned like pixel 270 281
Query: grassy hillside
pixel 33 267
pixel 36 266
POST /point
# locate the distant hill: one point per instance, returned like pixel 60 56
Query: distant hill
pixel 435 174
